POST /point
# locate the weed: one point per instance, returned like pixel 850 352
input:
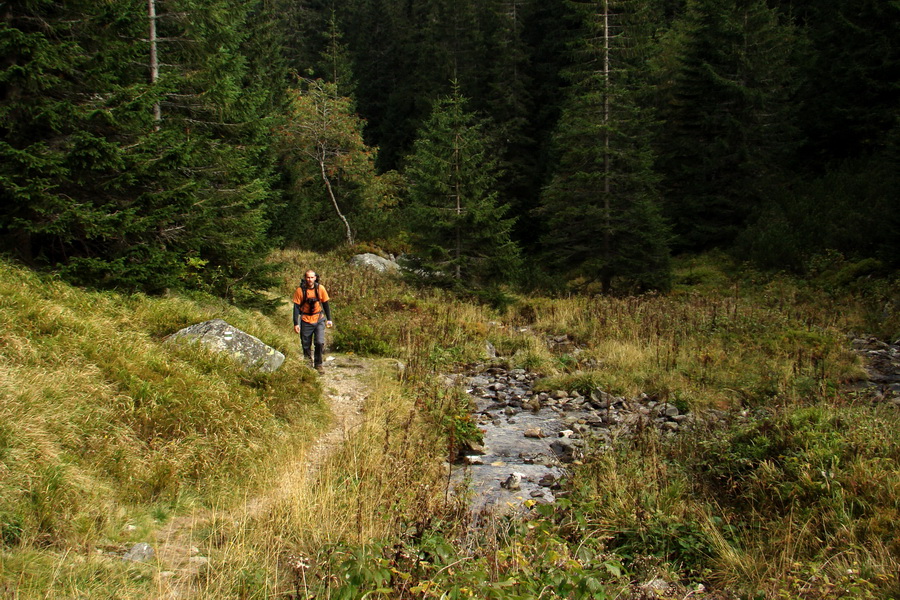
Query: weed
pixel 792 494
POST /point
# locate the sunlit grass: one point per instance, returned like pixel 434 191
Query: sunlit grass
pixel 101 419
pixel 114 426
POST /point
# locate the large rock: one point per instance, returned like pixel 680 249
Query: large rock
pixel 373 261
pixel 243 347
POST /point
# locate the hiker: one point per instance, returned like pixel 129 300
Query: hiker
pixel 312 315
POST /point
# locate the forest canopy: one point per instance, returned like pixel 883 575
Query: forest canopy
pixel 148 145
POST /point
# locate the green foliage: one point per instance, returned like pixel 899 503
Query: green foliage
pixel 849 90
pixel 334 185
pixel 362 338
pixel 431 566
pixel 729 123
pixel 450 410
pixel 848 210
pixel 94 186
pixel 810 463
pixel 458 225
pixel 602 220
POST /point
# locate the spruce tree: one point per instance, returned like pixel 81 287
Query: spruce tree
pixel 72 87
pixel 459 226
pixel 729 127
pixel 506 83
pixel 600 213
pixel 383 39
pixel 335 64
pixel 100 184
pixel 850 94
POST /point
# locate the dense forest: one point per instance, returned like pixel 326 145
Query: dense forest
pixel 155 144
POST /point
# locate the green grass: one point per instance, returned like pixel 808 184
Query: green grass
pixel 102 419
pixel 103 424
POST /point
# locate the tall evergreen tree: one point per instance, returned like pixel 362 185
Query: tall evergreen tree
pixel 303 25
pixel 71 81
pixel 600 211
pixel 409 52
pixel 729 128
pixel 850 94
pixel 335 64
pixel 505 79
pixel 112 191
pixel 459 226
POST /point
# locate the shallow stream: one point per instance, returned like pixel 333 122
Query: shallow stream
pixel 527 438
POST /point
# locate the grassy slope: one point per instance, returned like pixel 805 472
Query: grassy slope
pixel 107 432
pixel 793 497
pixel 115 427
pixel 103 424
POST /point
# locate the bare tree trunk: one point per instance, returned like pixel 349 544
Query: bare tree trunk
pixel 334 201
pixel 606 279
pixel 458 195
pixel 154 61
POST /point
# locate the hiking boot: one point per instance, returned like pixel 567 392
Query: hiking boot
pixel 320 369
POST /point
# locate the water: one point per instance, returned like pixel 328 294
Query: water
pixel 527 440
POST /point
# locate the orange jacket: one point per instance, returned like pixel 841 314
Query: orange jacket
pixel 315 313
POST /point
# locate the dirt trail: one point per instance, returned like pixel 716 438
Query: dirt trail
pixel 345 389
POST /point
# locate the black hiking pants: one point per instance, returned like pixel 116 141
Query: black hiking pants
pixel 307 332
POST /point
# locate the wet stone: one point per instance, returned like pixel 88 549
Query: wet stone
pixel 667 410
pixel 535 435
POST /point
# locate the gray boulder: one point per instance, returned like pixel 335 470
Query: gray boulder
pixel 141 552
pixel 375 262
pixel 243 347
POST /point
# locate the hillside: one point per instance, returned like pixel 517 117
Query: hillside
pixel 277 486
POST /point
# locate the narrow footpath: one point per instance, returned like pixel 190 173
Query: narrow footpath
pixel 177 554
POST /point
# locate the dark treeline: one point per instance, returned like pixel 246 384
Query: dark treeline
pixel 149 144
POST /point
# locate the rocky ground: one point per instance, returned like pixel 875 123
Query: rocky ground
pixel 530 436
pixel 882 364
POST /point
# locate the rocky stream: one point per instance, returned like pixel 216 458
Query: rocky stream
pixel 530 437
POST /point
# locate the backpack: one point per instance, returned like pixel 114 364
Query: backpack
pixel 309 301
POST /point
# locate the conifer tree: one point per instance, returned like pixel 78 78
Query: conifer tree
pixel 729 127
pixel 600 212
pixel 335 62
pixel 383 39
pixel 459 226
pixel 506 83
pixel 850 94
pixel 111 191
pixel 71 77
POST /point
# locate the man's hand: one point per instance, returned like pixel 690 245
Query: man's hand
pixel 296 329
pixel 329 324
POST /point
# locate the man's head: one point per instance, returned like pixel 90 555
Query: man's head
pixel 310 278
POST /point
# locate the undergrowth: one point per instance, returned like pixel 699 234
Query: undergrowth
pixel 790 492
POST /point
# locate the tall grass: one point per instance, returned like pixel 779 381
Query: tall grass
pixel 770 504
pixel 792 496
pixel 767 504
pixel 101 420
pixel 713 349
